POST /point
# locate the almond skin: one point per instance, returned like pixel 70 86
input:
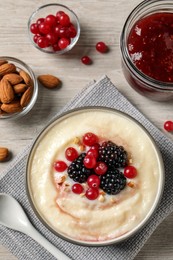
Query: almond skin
pixel 20 88
pixel 6 91
pixel 49 81
pixel 3 62
pixel 13 78
pixel 7 68
pixel 3 154
pixel 26 97
pixel 26 78
pixel 12 107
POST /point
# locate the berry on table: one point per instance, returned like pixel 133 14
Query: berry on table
pixel 90 139
pixel 92 193
pixel 89 161
pixel 71 154
pixel 130 172
pixel 168 126
pixel 101 47
pixel 77 188
pixel 86 60
pixel 93 181
pixel 60 166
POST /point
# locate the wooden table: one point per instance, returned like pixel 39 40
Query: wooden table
pixel 100 21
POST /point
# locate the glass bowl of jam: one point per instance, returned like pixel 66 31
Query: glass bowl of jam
pixel 147 49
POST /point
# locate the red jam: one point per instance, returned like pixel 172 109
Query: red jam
pixel 150 45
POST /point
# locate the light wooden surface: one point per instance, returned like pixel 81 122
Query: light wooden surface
pixel 100 21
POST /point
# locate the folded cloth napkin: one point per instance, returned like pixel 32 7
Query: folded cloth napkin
pixel 101 93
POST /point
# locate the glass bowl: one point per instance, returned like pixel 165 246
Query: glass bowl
pixel 29 82
pixel 146 85
pixel 53 8
pixel 108 219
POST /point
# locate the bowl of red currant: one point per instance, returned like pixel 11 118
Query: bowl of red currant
pixel 54 28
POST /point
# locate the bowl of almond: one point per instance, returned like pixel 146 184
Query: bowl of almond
pixel 18 88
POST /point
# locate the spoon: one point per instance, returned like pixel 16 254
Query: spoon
pixel 13 216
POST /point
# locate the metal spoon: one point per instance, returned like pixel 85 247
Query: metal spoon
pixel 13 216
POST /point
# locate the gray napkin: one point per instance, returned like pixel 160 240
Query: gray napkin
pixel 101 93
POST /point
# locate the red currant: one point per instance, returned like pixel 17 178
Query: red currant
pixel 89 161
pixel 60 166
pixel 50 20
pixel 71 154
pixel 62 32
pixel 130 172
pixel 101 47
pixel 93 181
pixel 34 28
pixel 90 139
pixel 42 42
pixel 72 31
pixel 101 168
pixel 56 47
pixel 93 151
pixel 168 126
pixel 40 20
pixel 77 188
pixel 63 43
pixel 51 38
pixel 86 60
pixel 64 20
pixel 92 193
pixel 59 13
pixel 44 28
pixel 35 38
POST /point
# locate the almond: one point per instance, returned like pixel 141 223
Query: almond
pixel 3 154
pixel 6 91
pixel 49 81
pixel 3 62
pixel 7 68
pixel 12 107
pixel 27 79
pixel 26 97
pixel 19 88
pixel 13 78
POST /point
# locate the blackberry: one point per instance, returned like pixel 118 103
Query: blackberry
pixel 112 154
pixel 113 181
pixel 77 171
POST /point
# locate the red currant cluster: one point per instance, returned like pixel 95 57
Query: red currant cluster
pixel 54 31
pixel 90 161
pixel 100 47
